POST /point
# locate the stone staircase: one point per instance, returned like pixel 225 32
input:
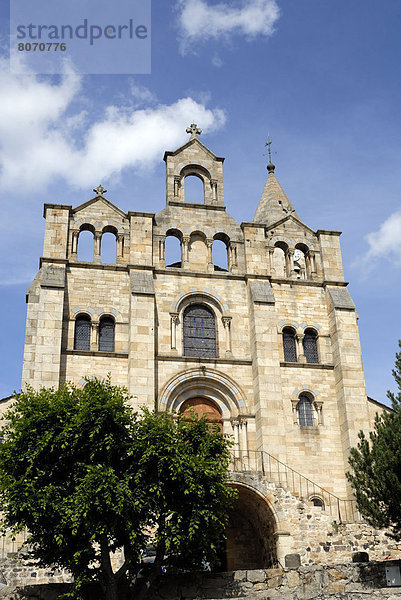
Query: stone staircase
pixel 283 476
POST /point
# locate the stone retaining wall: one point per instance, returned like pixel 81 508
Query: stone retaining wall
pixel 348 581
pixel 16 572
pixel 358 581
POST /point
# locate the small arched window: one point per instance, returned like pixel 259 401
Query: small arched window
pixel 289 345
pixel 310 346
pixel 108 248
pixel 86 243
pixel 317 501
pixel 279 259
pixel 82 334
pixel 199 331
pixel 106 334
pixel 172 251
pixel 306 412
pixel 194 189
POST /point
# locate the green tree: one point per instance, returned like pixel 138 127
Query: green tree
pixel 376 466
pixel 87 476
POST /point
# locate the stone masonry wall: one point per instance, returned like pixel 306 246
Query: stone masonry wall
pixel 356 581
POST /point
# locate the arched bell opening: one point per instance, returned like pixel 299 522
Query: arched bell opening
pixel 251 540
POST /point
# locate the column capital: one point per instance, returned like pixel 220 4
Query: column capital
pixel 226 321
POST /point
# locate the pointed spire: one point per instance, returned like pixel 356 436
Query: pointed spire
pixel 274 204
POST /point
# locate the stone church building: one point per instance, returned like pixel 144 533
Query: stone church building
pixel 266 344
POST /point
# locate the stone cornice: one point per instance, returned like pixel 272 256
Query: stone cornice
pixel 96 353
pixel 193 359
pixel 326 367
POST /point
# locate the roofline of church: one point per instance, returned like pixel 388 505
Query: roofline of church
pixel 188 143
pixel 6 399
pixel 381 404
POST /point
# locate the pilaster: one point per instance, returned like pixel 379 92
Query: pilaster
pixel 141 361
pixel 348 368
pixel 270 432
pixel 44 328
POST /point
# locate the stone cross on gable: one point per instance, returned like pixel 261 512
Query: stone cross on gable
pixel 194 130
pixel 100 191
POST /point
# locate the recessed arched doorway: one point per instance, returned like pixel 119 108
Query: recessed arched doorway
pixel 203 407
pixel 251 542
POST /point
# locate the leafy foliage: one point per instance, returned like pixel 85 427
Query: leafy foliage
pixel 376 464
pixel 87 476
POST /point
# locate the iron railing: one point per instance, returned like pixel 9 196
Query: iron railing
pixel 277 472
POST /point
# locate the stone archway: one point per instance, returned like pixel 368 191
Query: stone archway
pixel 251 541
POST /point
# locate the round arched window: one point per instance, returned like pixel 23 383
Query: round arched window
pixel 82 334
pixel 106 334
pixel 199 331
pixel 289 345
pixel 310 346
pixel 317 501
pixel 306 412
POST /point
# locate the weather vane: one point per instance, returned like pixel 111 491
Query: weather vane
pixel 268 144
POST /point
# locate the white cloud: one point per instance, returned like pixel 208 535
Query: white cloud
pixel 199 21
pixel 44 136
pixel 49 135
pixel 217 61
pixel 142 94
pixel 385 242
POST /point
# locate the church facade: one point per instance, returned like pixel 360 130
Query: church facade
pixel 266 345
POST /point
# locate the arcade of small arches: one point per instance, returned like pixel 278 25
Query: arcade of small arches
pixel 297 262
pixel 93 245
pixel 180 250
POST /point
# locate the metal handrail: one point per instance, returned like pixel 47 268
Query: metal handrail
pixel 342 511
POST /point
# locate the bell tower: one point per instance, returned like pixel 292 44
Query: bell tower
pixel 194 159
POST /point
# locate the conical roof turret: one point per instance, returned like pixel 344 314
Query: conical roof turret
pixel 274 204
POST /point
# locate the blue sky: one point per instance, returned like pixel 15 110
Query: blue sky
pixel 323 78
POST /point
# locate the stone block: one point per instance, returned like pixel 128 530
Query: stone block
pixel 341 298
pixel 292 561
pixel 256 576
pixel 262 292
pixel 142 283
pixel 53 276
